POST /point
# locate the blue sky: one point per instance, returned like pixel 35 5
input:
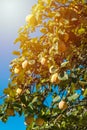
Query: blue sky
pixel 12 17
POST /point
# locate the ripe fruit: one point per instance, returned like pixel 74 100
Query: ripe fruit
pixel 62 105
pixel 43 61
pixel 18 91
pixel 29 120
pixel 16 70
pixel 54 78
pixel 10 112
pixel 24 64
pixel 39 121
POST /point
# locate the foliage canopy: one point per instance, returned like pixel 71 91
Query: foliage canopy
pixel 52 65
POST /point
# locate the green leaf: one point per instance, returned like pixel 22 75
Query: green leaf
pixel 85 93
pixel 82 82
pixel 81 31
pixel 35 99
pixel 56 99
pixel 73 97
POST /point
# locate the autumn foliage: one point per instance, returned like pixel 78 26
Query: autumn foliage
pixel 54 58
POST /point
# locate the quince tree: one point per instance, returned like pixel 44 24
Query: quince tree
pixel 49 76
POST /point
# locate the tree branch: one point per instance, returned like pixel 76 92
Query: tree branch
pixel 3 96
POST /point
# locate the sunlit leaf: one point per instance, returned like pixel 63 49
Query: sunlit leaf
pixel 16 53
pixel 73 97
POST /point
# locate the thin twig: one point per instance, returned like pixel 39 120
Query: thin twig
pixel 3 96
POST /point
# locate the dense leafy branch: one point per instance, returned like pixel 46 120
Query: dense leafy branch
pixel 49 76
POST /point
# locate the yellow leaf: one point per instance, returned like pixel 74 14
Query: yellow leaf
pixel 20 29
pixel 62 1
pixel 16 40
pixel 31 20
pixel 43 30
pixel 16 53
pixel 47 1
pixel 51 14
pixel 81 31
